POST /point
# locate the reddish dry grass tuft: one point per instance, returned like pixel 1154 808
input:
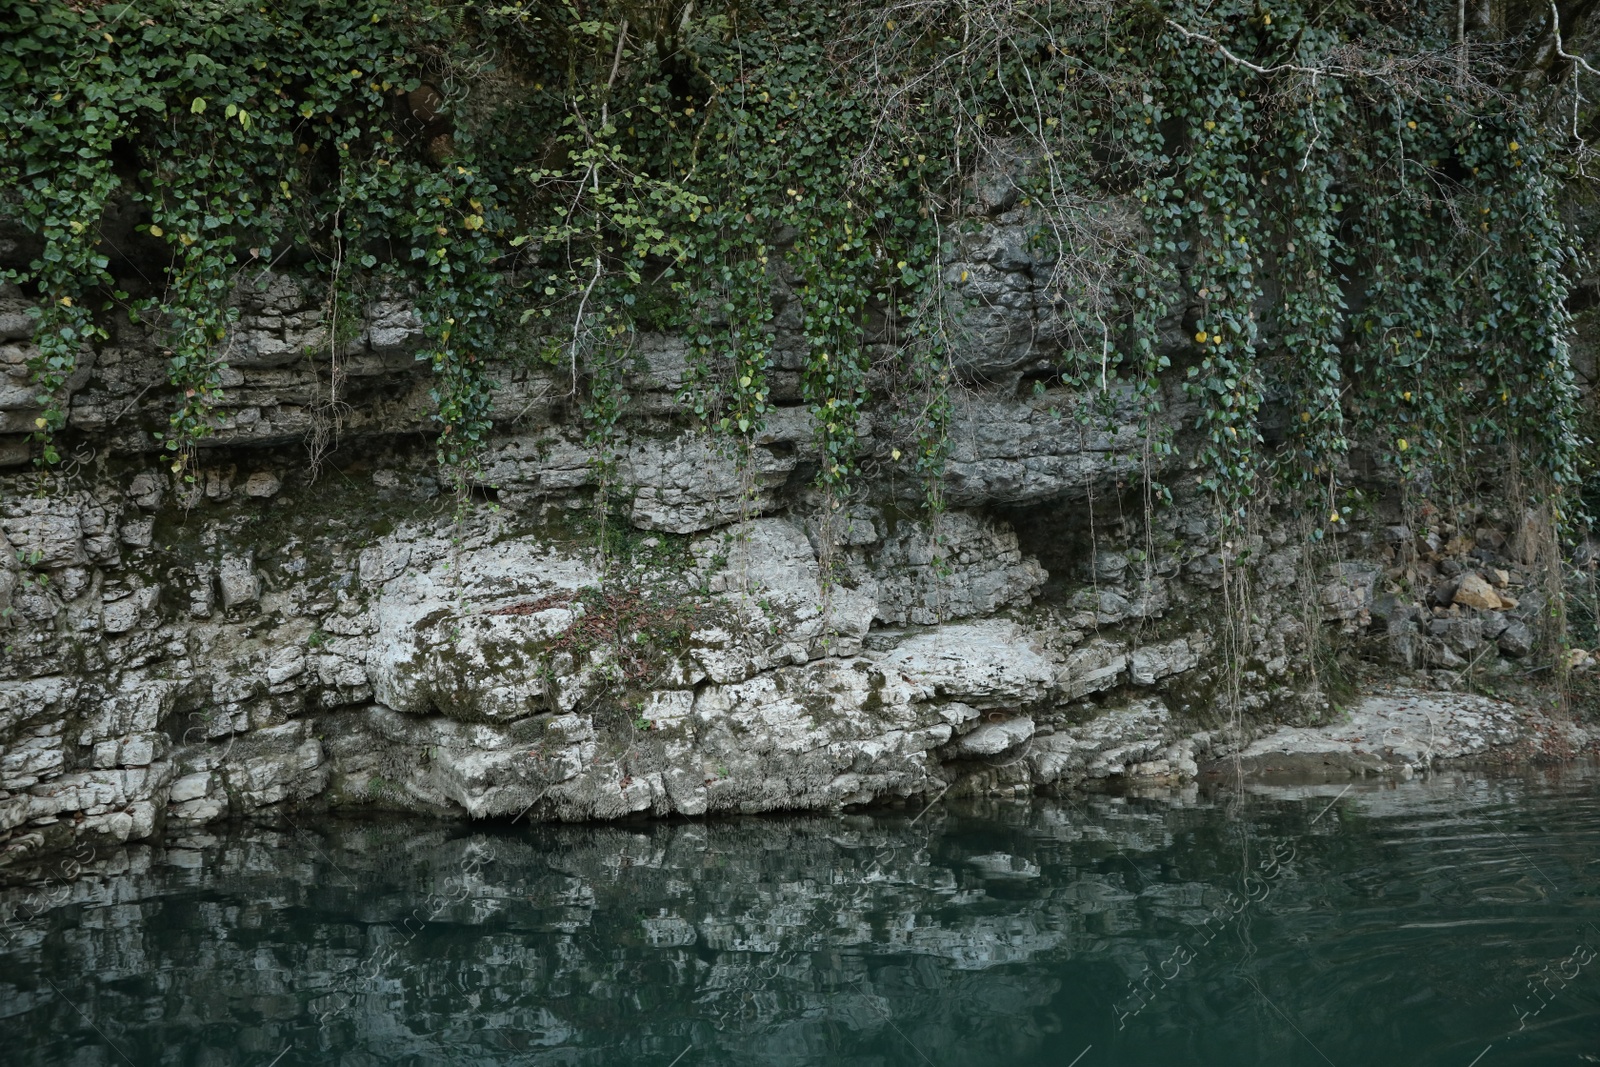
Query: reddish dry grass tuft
pixel 614 619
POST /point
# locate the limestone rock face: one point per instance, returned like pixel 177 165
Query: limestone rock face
pixel 1404 732
pixel 993 738
pixel 681 624
pixel 237 579
pixel 692 484
pixel 986 664
pixel 1096 667
pixel 491 662
pixel 1155 662
pixel 1020 451
pixel 1128 742
pixel 474 675
pixel 770 581
pixel 915 564
pixel 1348 590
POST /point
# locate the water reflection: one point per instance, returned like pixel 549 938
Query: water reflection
pixel 1418 924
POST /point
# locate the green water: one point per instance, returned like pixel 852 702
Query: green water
pixel 1453 922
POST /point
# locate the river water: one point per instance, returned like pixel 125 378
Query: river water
pixel 1453 921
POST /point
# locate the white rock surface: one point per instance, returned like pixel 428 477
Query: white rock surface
pixel 1404 732
pixel 993 738
pixel 988 664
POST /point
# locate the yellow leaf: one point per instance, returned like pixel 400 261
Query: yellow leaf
pixel 1402 444
pixel 66 301
pixel 157 231
pixel 1334 517
pixel 40 424
pixel 895 454
pixel 1200 338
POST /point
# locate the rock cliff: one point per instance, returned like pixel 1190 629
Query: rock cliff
pixel 348 632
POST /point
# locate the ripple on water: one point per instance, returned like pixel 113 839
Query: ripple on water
pixel 1375 924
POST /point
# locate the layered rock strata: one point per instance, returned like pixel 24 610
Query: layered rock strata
pixel 279 631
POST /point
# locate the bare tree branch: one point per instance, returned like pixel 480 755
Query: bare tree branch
pixel 1258 68
pixel 1555 25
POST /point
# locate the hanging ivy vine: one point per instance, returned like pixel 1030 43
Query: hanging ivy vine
pixel 1367 245
pixel 237 131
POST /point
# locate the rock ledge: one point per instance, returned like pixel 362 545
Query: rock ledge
pixel 1403 732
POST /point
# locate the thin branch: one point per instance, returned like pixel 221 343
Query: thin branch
pixel 616 65
pixel 1555 25
pixel 1258 68
pixel 577 322
pixel 616 58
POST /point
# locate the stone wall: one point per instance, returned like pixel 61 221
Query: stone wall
pixel 282 632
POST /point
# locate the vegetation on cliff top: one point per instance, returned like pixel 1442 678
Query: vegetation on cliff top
pixel 1352 204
